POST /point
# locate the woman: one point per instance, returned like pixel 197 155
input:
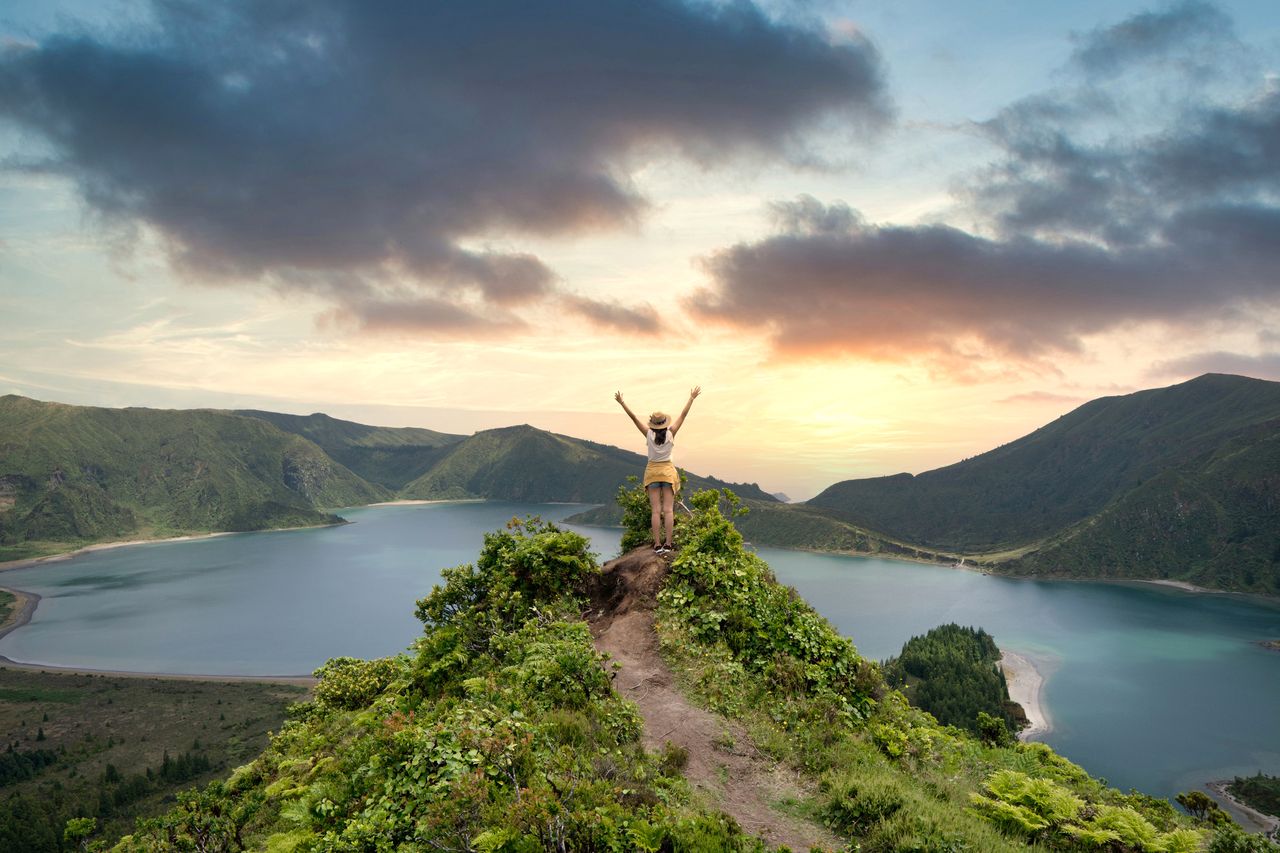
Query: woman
pixel 661 480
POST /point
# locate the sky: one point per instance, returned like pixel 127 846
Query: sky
pixel 881 236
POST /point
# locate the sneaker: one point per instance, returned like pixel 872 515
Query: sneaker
pixel 658 549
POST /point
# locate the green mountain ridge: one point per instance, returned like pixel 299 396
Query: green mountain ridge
pixel 388 456
pixel 1171 483
pixel 74 475
pixel 522 463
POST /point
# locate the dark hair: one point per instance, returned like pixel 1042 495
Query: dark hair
pixel 660 436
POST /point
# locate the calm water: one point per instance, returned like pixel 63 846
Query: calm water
pixel 1149 687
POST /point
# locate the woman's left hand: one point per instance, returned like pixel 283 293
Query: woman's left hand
pixel 697 389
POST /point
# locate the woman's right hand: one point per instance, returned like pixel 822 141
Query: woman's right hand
pixel 618 396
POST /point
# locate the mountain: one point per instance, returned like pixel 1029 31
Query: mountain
pixel 1180 483
pixel 521 463
pixel 388 456
pixel 75 474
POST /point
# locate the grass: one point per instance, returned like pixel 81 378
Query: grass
pixel 130 723
pixel 831 758
pixel 6 605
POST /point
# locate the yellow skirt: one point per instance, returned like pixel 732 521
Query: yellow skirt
pixel 662 472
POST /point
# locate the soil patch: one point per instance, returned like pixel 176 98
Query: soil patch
pixel 724 765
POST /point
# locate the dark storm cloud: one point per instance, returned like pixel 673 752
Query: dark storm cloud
pixel 894 292
pixel 1087 229
pixel 297 140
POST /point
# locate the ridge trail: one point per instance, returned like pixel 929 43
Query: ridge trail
pixel 724 765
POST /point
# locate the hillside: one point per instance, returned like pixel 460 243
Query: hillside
pixel 388 456
pixel 1180 482
pixel 521 463
pixel 504 729
pixel 76 474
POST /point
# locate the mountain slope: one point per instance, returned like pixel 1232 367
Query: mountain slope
pixel 73 474
pixel 521 463
pixel 388 456
pixel 1173 482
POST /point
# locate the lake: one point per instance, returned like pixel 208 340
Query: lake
pixel 1149 687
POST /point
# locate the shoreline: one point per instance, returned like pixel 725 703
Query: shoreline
pixel 29 562
pixel 108 546
pixel 24 606
pixel 1269 825
pixel 417 502
pixel 1026 687
pixel 296 680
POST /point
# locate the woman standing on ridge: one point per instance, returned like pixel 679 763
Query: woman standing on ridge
pixel 661 480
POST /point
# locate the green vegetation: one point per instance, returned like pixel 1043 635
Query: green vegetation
pixel 111 749
pixel 521 463
pixel 71 475
pixel 7 600
pixel 499 731
pixel 388 456
pixel 1169 483
pixel 1259 792
pixel 954 674
pixel 891 778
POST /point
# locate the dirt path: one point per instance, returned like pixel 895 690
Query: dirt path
pixel 724 765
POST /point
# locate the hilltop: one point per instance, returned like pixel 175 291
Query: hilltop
pixel 505 727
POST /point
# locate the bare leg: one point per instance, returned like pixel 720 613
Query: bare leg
pixel 655 512
pixel 669 510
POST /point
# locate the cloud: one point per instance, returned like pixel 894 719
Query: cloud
pixel 888 292
pixel 1264 366
pixel 612 316
pixel 1184 31
pixel 338 140
pixel 1086 227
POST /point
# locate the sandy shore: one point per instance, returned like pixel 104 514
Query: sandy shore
pixel 20 614
pixel 1265 823
pixel 1182 585
pixel 299 680
pixel 1026 687
pixel 416 502
pixel 107 546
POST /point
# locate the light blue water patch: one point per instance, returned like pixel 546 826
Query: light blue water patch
pixel 257 603
pixel 1147 686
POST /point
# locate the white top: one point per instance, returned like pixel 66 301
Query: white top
pixel 660 452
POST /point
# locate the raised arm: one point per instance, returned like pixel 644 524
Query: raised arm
pixel 630 414
pixel 675 427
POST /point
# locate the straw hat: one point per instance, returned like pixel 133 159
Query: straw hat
pixel 659 420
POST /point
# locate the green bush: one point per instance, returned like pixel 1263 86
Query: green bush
pixel 350 683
